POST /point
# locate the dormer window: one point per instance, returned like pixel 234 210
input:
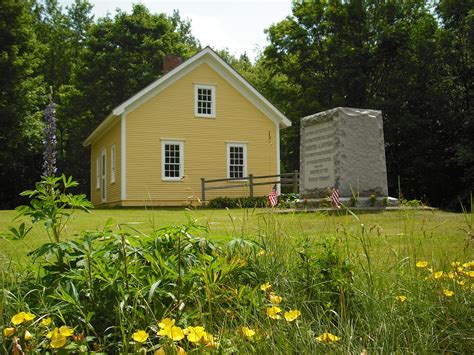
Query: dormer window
pixel 205 100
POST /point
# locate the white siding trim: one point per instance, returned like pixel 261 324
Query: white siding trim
pixel 123 159
pixel 277 144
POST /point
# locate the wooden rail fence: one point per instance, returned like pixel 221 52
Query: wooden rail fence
pixel 288 179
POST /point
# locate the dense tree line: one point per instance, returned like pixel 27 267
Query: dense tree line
pixel 411 59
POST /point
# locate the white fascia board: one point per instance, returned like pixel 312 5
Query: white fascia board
pixel 249 92
pixel 208 56
pixel 167 77
pixel 283 121
pixel 229 73
pixel 109 120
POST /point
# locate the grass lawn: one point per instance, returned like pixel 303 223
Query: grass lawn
pixel 355 277
pixel 432 235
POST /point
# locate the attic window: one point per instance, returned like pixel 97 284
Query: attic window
pixel 205 100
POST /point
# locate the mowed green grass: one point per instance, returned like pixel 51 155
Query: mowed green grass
pixel 433 235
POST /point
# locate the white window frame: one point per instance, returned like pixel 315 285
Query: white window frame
pixel 103 178
pixel 239 145
pixel 180 143
pixel 213 100
pixel 97 172
pixel 113 163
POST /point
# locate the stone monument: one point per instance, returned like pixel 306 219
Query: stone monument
pixel 343 148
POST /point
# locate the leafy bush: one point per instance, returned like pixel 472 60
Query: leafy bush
pixel 51 204
pixel 238 202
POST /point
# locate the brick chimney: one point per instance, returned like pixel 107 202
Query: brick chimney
pixel 171 61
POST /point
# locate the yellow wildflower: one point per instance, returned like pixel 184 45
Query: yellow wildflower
pixel 327 338
pixel 169 330
pixel 402 298
pixel 261 253
pixel 8 332
pixel 461 282
pixel 459 269
pixel 438 274
pixel 421 264
pixel 266 286
pixel 249 333
pixel 195 334
pixel 290 316
pixel 275 299
pixel 469 273
pixel 448 293
pixel 273 311
pixel 66 331
pixel 468 265
pixel 209 341
pixel 18 318
pixel 451 275
pixel 22 317
pixel 29 316
pixel 140 336
pixel 166 323
pixel 455 263
pixel 161 351
pixel 28 335
pixel 45 322
pixel 58 339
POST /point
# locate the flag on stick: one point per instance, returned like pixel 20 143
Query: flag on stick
pixel 335 198
pixel 273 197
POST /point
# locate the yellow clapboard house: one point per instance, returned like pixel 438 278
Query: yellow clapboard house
pixel 199 120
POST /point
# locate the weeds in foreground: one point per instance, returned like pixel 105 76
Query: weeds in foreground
pixel 174 291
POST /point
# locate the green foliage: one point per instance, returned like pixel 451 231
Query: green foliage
pixel 399 57
pixel 238 202
pixel 288 200
pixel 323 273
pixel 52 204
pixel 410 203
pixel 21 99
pixel 17 233
pixel 119 279
pixel 372 200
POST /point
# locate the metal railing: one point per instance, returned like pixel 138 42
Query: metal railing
pixel 288 179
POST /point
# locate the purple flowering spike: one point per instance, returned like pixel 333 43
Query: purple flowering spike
pixel 49 154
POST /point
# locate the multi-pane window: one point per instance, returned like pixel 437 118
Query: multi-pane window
pixel 237 160
pixel 205 105
pixel 172 155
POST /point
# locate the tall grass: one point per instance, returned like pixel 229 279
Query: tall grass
pixel 119 279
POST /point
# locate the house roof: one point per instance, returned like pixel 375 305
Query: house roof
pixel 208 56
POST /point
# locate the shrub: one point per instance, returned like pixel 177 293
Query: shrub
pixel 238 202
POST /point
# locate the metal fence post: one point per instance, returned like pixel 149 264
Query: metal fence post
pixel 295 181
pixel 203 192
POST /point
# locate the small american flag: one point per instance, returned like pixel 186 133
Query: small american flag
pixel 335 198
pixel 273 197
